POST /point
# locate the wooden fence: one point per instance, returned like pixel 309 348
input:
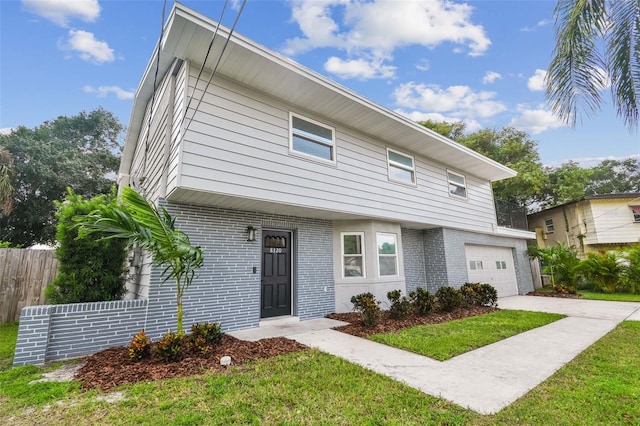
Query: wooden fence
pixel 24 275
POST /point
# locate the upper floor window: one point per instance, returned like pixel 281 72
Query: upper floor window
pixel 548 224
pixel 387 255
pixel 401 167
pixel 312 139
pixel 636 213
pixel 353 254
pixel 457 184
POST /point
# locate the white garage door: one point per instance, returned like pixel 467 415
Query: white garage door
pixel 493 265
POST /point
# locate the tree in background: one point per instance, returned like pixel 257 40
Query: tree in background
pixel 614 177
pixel 152 229
pixel 6 189
pixel 91 269
pixel 566 183
pixel 80 152
pixel 597 43
pixel 507 146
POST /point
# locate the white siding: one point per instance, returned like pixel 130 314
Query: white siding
pixel 612 222
pixel 238 145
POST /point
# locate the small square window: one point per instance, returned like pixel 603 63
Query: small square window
pixel 548 223
pixel 475 264
pixel 401 167
pixel 457 184
pixel 501 264
pixel 312 139
pixel 636 213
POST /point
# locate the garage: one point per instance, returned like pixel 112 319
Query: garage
pixel 493 265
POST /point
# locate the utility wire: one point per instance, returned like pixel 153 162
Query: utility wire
pixel 204 91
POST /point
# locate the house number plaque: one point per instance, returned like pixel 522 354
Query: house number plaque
pixel 275 250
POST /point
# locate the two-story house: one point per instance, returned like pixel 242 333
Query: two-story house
pixel 593 223
pixel 301 192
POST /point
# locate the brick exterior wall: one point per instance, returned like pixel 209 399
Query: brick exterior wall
pixel 414 261
pixel 54 332
pixel 435 261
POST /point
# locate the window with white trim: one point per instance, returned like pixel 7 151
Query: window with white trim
pixel 401 167
pixel 475 264
pixel 457 184
pixel 387 245
pixel 636 213
pixel 548 224
pixel 353 254
pixel 501 264
pixel 312 139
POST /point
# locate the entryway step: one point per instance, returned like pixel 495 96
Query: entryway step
pixel 276 321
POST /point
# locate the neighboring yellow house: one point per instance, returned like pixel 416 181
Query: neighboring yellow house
pixel 594 223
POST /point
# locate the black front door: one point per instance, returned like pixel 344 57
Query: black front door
pixel 276 274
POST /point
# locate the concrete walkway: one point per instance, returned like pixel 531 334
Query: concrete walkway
pixel 486 379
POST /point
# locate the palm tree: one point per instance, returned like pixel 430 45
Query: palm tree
pixel 597 44
pixel 152 229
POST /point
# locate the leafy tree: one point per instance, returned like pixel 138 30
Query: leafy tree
pixel 152 229
pixel 80 152
pixel 91 269
pixel 614 177
pixel 565 183
pixel 507 146
pixel 596 41
pixel 6 189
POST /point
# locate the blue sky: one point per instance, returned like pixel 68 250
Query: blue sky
pixel 482 62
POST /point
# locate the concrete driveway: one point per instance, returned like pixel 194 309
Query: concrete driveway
pixel 486 379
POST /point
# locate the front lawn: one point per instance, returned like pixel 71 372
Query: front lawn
pixel 446 340
pixel 600 386
pixel 8 336
pixel 616 297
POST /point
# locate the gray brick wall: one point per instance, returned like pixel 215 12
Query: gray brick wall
pixel 413 255
pixel 54 332
pixel 435 261
pixel 226 290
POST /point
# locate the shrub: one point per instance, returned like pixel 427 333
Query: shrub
pixel 422 301
pixel 91 269
pixel 630 275
pixel 169 348
pixel 400 305
pixel 479 294
pixel 140 347
pixel 368 306
pixel 603 270
pixel 203 335
pixel 448 298
pixel 559 261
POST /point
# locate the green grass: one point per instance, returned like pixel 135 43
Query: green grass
pixel 600 386
pixel 446 340
pixel 8 336
pixel 616 297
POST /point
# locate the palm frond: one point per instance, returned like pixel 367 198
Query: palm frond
pixel 623 57
pixel 575 75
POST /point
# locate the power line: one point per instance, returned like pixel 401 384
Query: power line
pixel 215 68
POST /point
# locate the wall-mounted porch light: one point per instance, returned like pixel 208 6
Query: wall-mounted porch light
pixel 251 233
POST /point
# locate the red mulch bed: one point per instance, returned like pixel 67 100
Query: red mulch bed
pixel 113 367
pixel 555 294
pixel 388 324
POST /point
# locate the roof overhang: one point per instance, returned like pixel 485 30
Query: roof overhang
pixel 187 36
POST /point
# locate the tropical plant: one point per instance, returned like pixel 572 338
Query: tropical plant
pixel 422 301
pixel 448 298
pixel 400 305
pixel 368 306
pixel 603 270
pixel 597 43
pixel 630 274
pixel 152 229
pixel 91 269
pixel 559 261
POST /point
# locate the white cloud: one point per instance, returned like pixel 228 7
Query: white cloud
pixel 470 125
pixel 60 12
pixel 103 91
pixel 490 77
pixel 536 81
pixel 458 101
pixel 593 161
pixel 6 130
pixel 375 29
pixel 535 120
pixel 89 49
pixel 540 24
pixel 359 68
pixel 423 65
